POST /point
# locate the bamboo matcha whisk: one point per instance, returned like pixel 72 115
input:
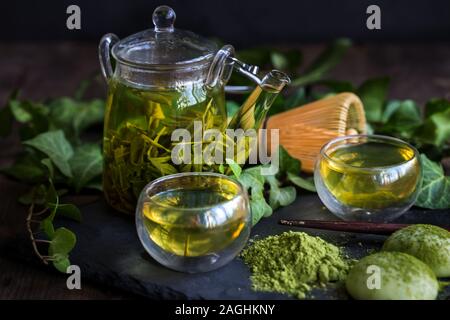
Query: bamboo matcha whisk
pixel 304 130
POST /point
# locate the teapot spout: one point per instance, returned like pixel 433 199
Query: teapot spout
pixel 253 111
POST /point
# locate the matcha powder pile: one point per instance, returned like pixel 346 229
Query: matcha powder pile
pixel 294 263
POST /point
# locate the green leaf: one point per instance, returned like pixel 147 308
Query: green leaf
pixel 287 163
pixel 95 184
pixel 62 242
pixel 234 167
pixel 61 262
pixel 280 196
pixel 51 196
pixel 402 113
pixel 259 208
pixel 436 128
pixel 232 108
pixel 36 194
pixel 252 180
pixel 47 227
pixel 27 168
pixel 279 61
pixel 330 57
pixel 373 94
pixel 288 61
pixel 48 164
pixel 302 182
pixel 435 106
pixel 435 190
pixel 75 116
pixel 55 145
pixel 86 164
pixel 67 210
pixel 400 118
pixel 33 115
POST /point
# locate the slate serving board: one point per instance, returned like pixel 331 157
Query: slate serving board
pixel 108 251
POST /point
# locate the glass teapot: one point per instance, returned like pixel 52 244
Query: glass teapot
pixel 165 79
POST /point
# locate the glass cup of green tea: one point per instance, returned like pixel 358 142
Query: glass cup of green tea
pixel 368 177
pixel 193 222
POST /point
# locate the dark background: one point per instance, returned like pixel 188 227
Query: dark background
pixel 242 22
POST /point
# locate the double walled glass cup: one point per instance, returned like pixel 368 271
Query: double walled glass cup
pixel 368 177
pixel 193 222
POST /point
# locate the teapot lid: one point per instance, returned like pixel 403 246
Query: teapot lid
pixel 164 47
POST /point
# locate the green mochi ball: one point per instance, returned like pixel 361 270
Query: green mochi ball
pixel 431 244
pixel 391 276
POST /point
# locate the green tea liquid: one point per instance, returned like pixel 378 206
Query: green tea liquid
pixel 191 234
pixel 348 175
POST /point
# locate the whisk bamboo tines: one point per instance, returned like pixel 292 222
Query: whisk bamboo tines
pixel 304 130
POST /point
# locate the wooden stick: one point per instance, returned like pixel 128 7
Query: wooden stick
pixel 348 226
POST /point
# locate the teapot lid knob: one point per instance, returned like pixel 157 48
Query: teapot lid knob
pixel 164 18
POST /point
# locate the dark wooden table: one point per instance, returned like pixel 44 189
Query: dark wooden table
pixel 418 72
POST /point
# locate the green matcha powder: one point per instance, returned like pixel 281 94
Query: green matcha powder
pixel 294 263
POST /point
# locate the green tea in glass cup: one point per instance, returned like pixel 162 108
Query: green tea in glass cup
pixel 193 222
pixel 368 177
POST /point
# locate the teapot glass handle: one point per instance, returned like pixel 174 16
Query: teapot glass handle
pixel 223 64
pixel 104 54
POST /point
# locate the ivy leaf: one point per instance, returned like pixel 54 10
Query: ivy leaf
pixel 61 262
pixel 436 128
pixel 401 118
pixel 48 164
pixel 55 145
pixel 302 182
pixel 67 210
pixel 86 164
pixel 252 180
pixel 62 242
pixel 435 106
pixel 435 190
pixel 74 116
pixel 36 194
pixel 288 61
pixel 280 196
pixel 52 196
pixel 33 115
pixel 48 228
pixel 287 163
pixel 259 208
pixel 373 94
pixel 330 57
pixel 27 168
pixel 237 170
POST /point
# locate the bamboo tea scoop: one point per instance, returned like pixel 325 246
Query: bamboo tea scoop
pixel 348 226
pixel 304 130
